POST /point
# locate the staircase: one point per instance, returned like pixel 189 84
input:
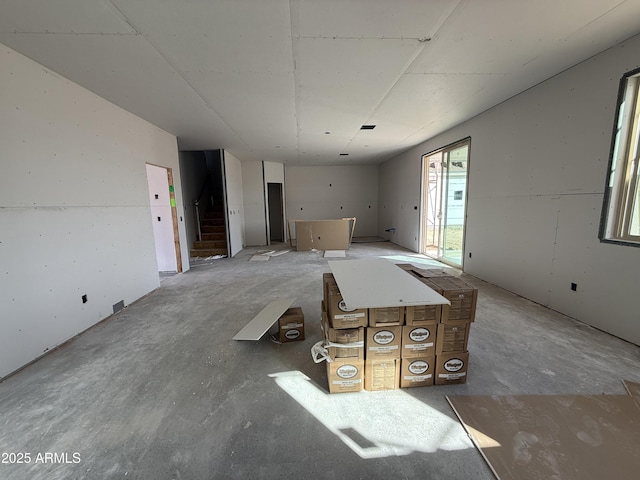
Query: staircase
pixel 214 235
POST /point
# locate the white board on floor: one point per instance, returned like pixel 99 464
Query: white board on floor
pixel 376 282
pixel 258 326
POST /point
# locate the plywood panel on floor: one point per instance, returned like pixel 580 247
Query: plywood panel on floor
pixel 568 437
pixel 322 234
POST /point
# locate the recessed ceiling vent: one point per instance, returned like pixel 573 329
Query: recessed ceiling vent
pixel 367 127
pixel 344 154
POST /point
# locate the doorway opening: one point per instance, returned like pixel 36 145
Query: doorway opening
pixel 276 212
pixel 444 201
pixel 164 218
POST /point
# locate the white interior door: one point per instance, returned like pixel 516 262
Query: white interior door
pixel 234 202
pixel 161 218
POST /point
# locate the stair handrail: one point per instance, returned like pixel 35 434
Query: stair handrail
pixel 197 206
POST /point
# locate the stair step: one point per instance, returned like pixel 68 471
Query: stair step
pixel 213 229
pixel 212 222
pixel 214 214
pixel 222 236
pixel 213 234
pixel 207 252
pixel 207 244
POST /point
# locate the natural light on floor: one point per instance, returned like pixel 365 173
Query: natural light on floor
pixel 376 424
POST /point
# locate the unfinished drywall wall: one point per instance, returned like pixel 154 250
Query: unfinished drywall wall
pixel 399 216
pixel 255 177
pixel 537 171
pixel 234 203
pixel 255 231
pixel 324 193
pixel 273 172
pixel 74 208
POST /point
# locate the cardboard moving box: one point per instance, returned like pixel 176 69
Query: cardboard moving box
pixel 327 279
pixel 345 375
pixel 463 298
pixel 386 316
pixel 383 342
pixel 382 374
pixel 291 325
pixel 422 314
pixel 418 341
pixel 452 338
pixel 340 316
pixel 343 342
pixel 417 372
pixel 452 368
pixel 420 273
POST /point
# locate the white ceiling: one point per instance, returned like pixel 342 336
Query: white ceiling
pixel 294 80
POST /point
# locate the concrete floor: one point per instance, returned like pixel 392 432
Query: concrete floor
pixel 160 391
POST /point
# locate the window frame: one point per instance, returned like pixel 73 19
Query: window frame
pixel 621 187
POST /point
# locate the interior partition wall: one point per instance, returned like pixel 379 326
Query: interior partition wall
pixel 76 238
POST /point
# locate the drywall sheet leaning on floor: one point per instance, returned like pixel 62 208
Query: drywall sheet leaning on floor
pixel 568 437
pixel 323 234
pixel 258 326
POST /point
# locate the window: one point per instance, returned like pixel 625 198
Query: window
pixel 621 208
pixel 457 195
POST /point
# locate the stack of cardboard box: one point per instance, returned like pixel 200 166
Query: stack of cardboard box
pixel 398 347
pixel 419 345
pixel 454 323
pixel 343 334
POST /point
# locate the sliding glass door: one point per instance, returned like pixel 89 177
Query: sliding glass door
pixel 444 195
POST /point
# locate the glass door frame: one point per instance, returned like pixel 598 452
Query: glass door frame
pixel 441 190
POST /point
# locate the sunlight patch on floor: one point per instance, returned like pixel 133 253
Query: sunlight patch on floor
pixel 376 424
